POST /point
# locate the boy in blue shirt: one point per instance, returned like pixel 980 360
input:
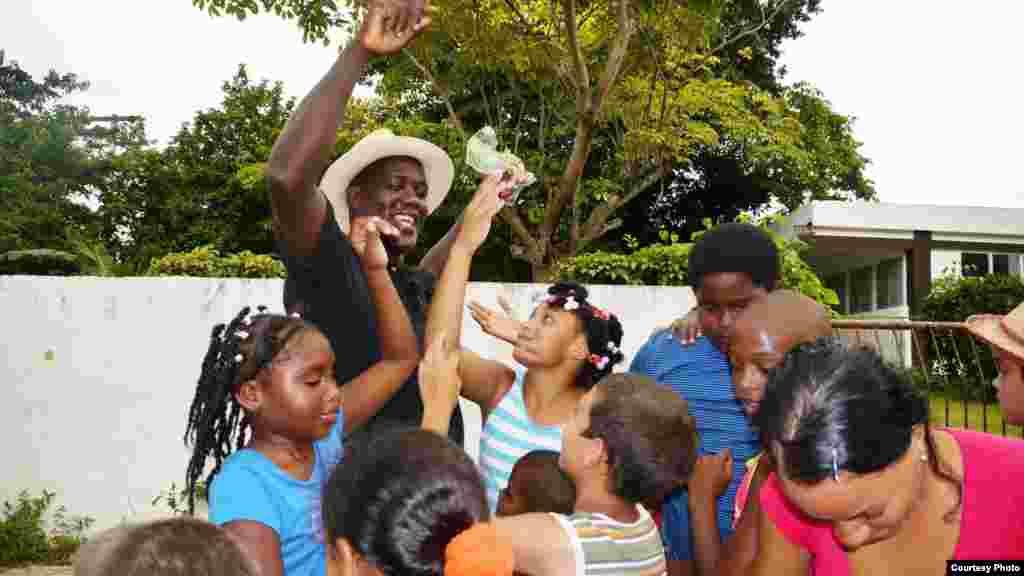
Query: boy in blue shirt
pixel 729 267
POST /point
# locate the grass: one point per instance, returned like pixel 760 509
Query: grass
pixel 977 413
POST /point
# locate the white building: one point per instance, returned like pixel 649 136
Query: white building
pixel 881 258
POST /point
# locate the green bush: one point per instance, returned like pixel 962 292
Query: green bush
pixel 41 262
pixel 654 265
pixel 666 265
pixel 955 358
pixel 24 538
pixel 953 299
pixel 207 262
pixel 176 499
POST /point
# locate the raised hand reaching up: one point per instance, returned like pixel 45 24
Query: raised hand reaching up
pixel 479 213
pixel 366 241
pixel 389 25
pixel 440 383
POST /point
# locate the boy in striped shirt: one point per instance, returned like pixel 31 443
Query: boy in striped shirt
pixel 629 438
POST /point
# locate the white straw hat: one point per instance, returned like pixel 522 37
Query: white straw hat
pixel 437 168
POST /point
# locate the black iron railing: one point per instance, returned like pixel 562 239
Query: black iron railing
pixel 946 362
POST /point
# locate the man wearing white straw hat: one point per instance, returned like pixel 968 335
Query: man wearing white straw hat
pixel 392 181
pixel 1005 334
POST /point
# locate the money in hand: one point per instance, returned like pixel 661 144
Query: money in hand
pixel 483 156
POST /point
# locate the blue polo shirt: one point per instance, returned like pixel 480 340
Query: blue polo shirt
pixel 701 374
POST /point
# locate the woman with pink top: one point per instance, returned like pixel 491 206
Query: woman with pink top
pixel 863 484
pixel 1006 336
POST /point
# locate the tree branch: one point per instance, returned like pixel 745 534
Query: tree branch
pixel 510 214
pixel 519 123
pixel 620 46
pixel 765 20
pixel 598 225
pixel 487 103
pixel 582 76
pixel 574 225
pixel 440 90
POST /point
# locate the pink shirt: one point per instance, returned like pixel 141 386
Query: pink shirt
pixel 990 527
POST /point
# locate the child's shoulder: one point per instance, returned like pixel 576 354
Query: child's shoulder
pixel 243 467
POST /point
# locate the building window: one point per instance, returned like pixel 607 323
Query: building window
pixel 1001 263
pixel 838 284
pixel 973 264
pixel 889 289
pixel 860 290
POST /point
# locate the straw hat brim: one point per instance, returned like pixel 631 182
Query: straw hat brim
pixel 989 327
pixel 438 169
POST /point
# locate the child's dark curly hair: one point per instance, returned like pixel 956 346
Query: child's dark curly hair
pixel 603 330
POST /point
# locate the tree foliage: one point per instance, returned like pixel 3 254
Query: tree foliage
pixel 199 190
pixel 666 264
pixel 958 356
pixel 54 157
pixel 208 262
pixel 602 98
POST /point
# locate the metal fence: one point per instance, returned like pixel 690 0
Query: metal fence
pixel 953 368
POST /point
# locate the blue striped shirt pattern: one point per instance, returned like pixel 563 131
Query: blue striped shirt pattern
pixel 508 434
pixel 701 374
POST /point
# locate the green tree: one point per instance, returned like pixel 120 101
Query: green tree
pixel 603 99
pixel 54 158
pixel 200 190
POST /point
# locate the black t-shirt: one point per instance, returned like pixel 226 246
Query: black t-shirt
pixel 330 290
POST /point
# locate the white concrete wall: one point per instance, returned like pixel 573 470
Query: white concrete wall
pixel 98 375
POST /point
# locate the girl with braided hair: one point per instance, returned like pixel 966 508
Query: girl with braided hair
pixel 566 347
pixel 269 412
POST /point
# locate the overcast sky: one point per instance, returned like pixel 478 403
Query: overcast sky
pixel 935 86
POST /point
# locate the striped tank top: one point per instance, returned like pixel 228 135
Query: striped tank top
pixel 508 434
pixel 606 547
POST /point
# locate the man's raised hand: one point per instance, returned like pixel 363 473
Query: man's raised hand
pixel 389 25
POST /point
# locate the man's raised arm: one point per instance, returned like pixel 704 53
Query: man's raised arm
pixel 304 147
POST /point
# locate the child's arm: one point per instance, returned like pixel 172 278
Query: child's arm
pixel 739 552
pixel 363 396
pixel 439 385
pixel 244 505
pixel 260 543
pixel 481 379
pixel 710 478
pixel 540 544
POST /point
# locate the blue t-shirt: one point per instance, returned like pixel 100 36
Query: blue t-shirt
pixel 251 487
pixel 701 374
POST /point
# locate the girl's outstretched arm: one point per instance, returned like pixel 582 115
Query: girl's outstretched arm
pixel 367 393
pixel 481 379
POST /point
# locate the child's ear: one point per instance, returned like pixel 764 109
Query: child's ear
pixel 595 453
pixel 250 395
pixel 341 560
